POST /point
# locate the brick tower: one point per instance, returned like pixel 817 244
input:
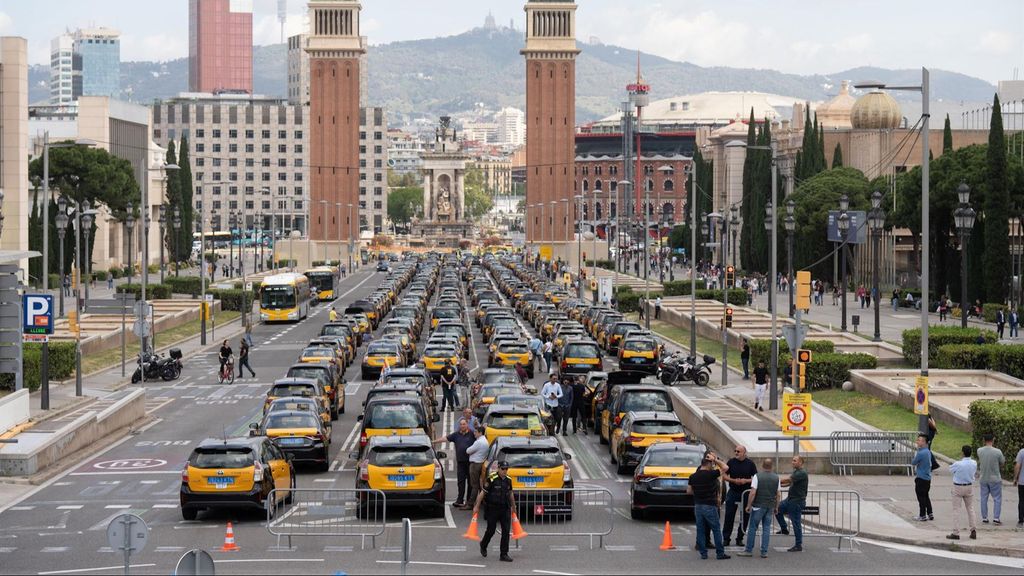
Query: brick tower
pixel 550 119
pixel 334 49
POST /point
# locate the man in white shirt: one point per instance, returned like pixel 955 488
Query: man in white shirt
pixel 477 454
pixel 964 472
pixel 551 392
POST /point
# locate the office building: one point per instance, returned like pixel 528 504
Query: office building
pixel 511 127
pixel 404 151
pixel 61 70
pixel 373 169
pixel 220 46
pixel 96 62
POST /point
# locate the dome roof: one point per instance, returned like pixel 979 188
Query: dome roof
pixel 836 112
pixel 876 111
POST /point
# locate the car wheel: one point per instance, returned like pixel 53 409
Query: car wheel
pixel 438 511
pixel 611 456
pixel 334 414
pixel 341 409
pixel 270 506
pixel 364 374
pixel 189 513
pixel 602 439
pixel 621 468
pixel 636 513
pixel 291 491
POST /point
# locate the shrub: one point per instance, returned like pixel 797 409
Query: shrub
pixel 1002 418
pixel 737 296
pixel 682 287
pixel 191 285
pixel 1007 359
pixel 153 268
pixel 231 299
pixel 62 365
pixel 54 280
pixel 115 272
pixel 989 309
pixel 210 257
pixel 760 349
pixel 831 370
pixel 606 264
pixel 101 275
pixel 939 336
pixel 153 291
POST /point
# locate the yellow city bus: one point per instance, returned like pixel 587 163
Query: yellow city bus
pixel 284 298
pixel 324 279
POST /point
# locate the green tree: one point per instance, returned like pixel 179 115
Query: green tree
pixel 479 200
pixel 754 242
pixel 837 157
pixel 186 189
pixel 404 202
pixel 173 242
pixel 997 208
pixel 814 198
pixel 947 136
pixel 35 240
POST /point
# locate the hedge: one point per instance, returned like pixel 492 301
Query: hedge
pixel 317 263
pixel 989 309
pixel 101 275
pixel 1008 359
pixel 831 370
pixel 1001 418
pixel 153 291
pixel 231 299
pixel 191 285
pixel 760 349
pixel 737 296
pixel 606 264
pixel 681 287
pixel 939 336
pixel 62 364
pixel 115 272
pixel 629 301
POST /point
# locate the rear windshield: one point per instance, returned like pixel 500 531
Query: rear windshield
pixel 532 457
pixel 446 313
pixel 657 427
pixel 457 329
pixel 582 351
pixel 317 351
pixel 291 421
pixel 222 458
pixel 674 458
pixel 513 348
pixel 281 390
pixel 646 402
pixel 279 405
pixel 493 390
pixel 385 416
pixel 492 377
pixel 623 328
pixel 381 349
pixel 509 421
pixel 416 380
pixel 335 330
pixel 503 322
pixel 311 373
pixel 439 352
pixel 638 346
pixel 401 456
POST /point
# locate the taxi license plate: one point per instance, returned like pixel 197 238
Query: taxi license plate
pixel 529 479
pixel 637 360
pixel 290 441
pixel 581 365
pixel 221 482
pixel 675 483
pixel 402 478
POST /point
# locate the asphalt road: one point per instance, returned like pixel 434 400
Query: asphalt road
pixel 61 527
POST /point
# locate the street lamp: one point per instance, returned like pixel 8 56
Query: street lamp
pixel 623 195
pixel 351 242
pixel 769 225
pixel 162 220
pixel 232 222
pixel 87 218
pixel 705 230
pixel 62 225
pixel 176 223
pixel 735 222
pixel 338 227
pixel 790 228
pixel 964 217
pixel 129 221
pixel 876 222
pixel 844 228
pixel 323 217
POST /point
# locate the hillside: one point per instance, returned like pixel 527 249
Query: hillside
pixel 452 74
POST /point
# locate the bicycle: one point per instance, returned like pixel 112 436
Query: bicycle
pixel 227 371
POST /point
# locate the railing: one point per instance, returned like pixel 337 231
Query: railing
pixel 571 512
pixel 828 514
pixel 849 450
pixel 345 513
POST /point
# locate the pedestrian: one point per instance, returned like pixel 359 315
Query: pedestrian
pixel 922 463
pixel 704 486
pixel 333 314
pixel 551 392
pixel 477 454
pixel 1014 322
pixel 243 358
pixel 943 308
pixel 448 395
pixel 247 336
pixel 66 285
pixel 467 414
pixel 1018 480
pixel 462 438
pixel 499 502
pixel 579 393
pixel 110 286
pixel 657 308
pixel 739 472
pixel 641 304
pixel 964 471
pixel 745 359
pixel 565 408
pixel 536 349
pixel 990 482
pixel 760 385
pixel 521 372
pixel 793 505
pixel 762 503
pixel 549 352
pixel 895 300
pixel 1000 322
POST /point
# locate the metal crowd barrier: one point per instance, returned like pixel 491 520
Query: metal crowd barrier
pixel 849 450
pixel 355 513
pixel 827 514
pixel 581 512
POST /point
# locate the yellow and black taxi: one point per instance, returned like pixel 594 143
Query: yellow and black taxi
pixel 639 353
pixel 580 357
pixel 380 353
pixel 321 353
pixel 447 312
pixel 406 469
pixel 401 335
pixel 540 473
pixel 509 354
pixel 361 323
pixel 436 356
pixel 616 332
pixel 235 473
pixel 661 478
pixel 638 432
pixel 340 348
pixel 300 433
pixel 329 378
pixel 631 397
pixel 404 388
pixel 364 307
pixel 512 420
pixel 298 403
pixel 294 386
pixel 344 330
pixel 394 415
pixel 484 396
pixel 455 327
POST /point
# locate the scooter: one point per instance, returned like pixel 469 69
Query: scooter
pixel 681 368
pixel 156 366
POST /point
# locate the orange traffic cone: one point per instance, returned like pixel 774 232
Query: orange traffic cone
pixel 229 540
pixel 666 540
pixel 472 533
pixel 517 528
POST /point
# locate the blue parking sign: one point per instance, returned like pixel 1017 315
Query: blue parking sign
pixel 38 313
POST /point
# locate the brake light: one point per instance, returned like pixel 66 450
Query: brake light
pixel 679 438
pixel 364 471
pixel 565 365
pixel 322 437
pixel 618 420
pixel 437 471
pixel 184 474
pixel 362 440
pixel 566 474
pixel 632 439
pixel 644 478
pixel 257 474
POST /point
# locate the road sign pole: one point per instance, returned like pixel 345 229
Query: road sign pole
pixel 123 337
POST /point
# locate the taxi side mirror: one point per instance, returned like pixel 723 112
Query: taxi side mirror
pixel 288 456
pixel 359 418
pixel 567 456
pixel 254 429
pixel 353 455
pixel 442 455
pixel 435 418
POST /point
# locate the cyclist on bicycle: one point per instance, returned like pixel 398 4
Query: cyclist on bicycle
pixel 225 357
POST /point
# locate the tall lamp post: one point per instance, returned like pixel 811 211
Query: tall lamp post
pixel 844 229
pixel 351 242
pixel 87 219
pixel 231 243
pixel 964 217
pixel 876 222
pixel 735 223
pixel 129 222
pixel 579 244
pixel 176 224
pixel 338 206
pixel 83 217
pixel 162 220
pixel 790 228
pixel 691 205
pixel 62 225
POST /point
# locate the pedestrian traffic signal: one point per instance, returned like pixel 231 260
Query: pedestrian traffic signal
pixel 802 375
pixel 728 317
pixel 803 356
pixel 73 321
pixel 730 276
pixel 803 291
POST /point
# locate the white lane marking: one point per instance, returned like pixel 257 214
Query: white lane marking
pixel 249 560
pixel 448 516
pixel 7 550
pixel 21 508
pixel 55 549
pixel 433 563
pixel 338 548
pixel 149 481
pixel 70 507
pixel 1002 561
pixel 117 506
pixel 166 506
pixel 324 480
pixel 450 548
pixel 125 473
pixel 554 573
pixel 63 483
pixel 169 548
pixel 100 569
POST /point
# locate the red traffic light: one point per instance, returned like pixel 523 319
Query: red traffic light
pixel 728 311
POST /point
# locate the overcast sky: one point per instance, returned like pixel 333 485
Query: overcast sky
pixel 983 38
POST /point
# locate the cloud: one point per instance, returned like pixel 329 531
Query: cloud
pixel 157 47
pixel 6 23
pixel 997 42
pixel 854 44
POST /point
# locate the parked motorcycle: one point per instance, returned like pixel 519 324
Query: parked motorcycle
pixel 681 368
pixel 158 367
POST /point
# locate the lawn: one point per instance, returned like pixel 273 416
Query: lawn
pixel 112 357
pixel 891 417
pixel 682 336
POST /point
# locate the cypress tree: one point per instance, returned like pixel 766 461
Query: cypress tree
pixel 996 207
pixel 819 151
pixel 947 137
pixel 837 157
pixel 172 242
pixel 35 239
pixel 748 193
pixel 185 190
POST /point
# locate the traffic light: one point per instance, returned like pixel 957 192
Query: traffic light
pixel 803 356
pixel 803 291
pixel 730 276
pixel 802 375
pixel 728 317
pixel 73 321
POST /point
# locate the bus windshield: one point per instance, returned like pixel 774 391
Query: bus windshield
pixel 277 297
pixel 321 280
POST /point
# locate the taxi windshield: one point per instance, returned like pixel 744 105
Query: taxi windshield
pixel 439 352
pixel 657 427
pixel 513 421
pixel 222 458
pixel 646 402
pixel 401 456
pixel 311 373
pixel 673 458
pixel 532 457
pixel 390 416
pixel 291 421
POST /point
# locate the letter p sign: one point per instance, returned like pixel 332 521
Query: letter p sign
pixel 38 310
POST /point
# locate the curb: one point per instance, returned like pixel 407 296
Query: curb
pixel 946 545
